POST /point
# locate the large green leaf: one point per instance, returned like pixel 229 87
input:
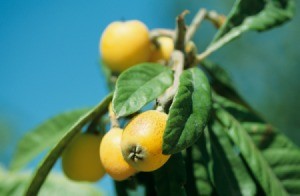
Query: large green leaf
pixel 171 177
pixel 253 157
pixel 189 111
pixel 14 184
pixel 43 170
pixel 43 137
pixel 228 172
pixel 140 85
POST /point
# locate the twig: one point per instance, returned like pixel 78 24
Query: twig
pixel 234 33
pixel 180 31
pixel 154 33
pixel 177 65
pixel 217 19
pixel 176 62
pixel 197 20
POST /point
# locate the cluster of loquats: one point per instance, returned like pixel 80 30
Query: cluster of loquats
pixel 122 152
pixel 137 148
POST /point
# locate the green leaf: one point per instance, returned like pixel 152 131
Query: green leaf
pixel 197 159
pixel 253 157
pixel 229 174
pixel 218 74
pixel 265 136
pixel 43 137
pixel 220 80
pixel 189 111
pixel 14 184
pixel 171 177
pixel 240 112
pixel 140 85
pixel 47 164
pixel 259 15
pixel 281 154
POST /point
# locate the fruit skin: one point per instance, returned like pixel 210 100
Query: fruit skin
pixel 80 160
pixel 142 141
pixel 164 51
pixel 111 156
pixel 124 44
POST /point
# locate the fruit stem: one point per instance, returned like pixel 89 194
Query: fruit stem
pixel 217 19
pixel 113 118
pixel 155 33
pixel 197 20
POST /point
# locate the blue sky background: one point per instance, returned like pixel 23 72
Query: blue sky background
pixel 49 60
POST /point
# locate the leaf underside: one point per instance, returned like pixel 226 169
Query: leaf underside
pixel 43 137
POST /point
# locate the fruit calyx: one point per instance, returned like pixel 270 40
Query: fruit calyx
pixel 136 154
